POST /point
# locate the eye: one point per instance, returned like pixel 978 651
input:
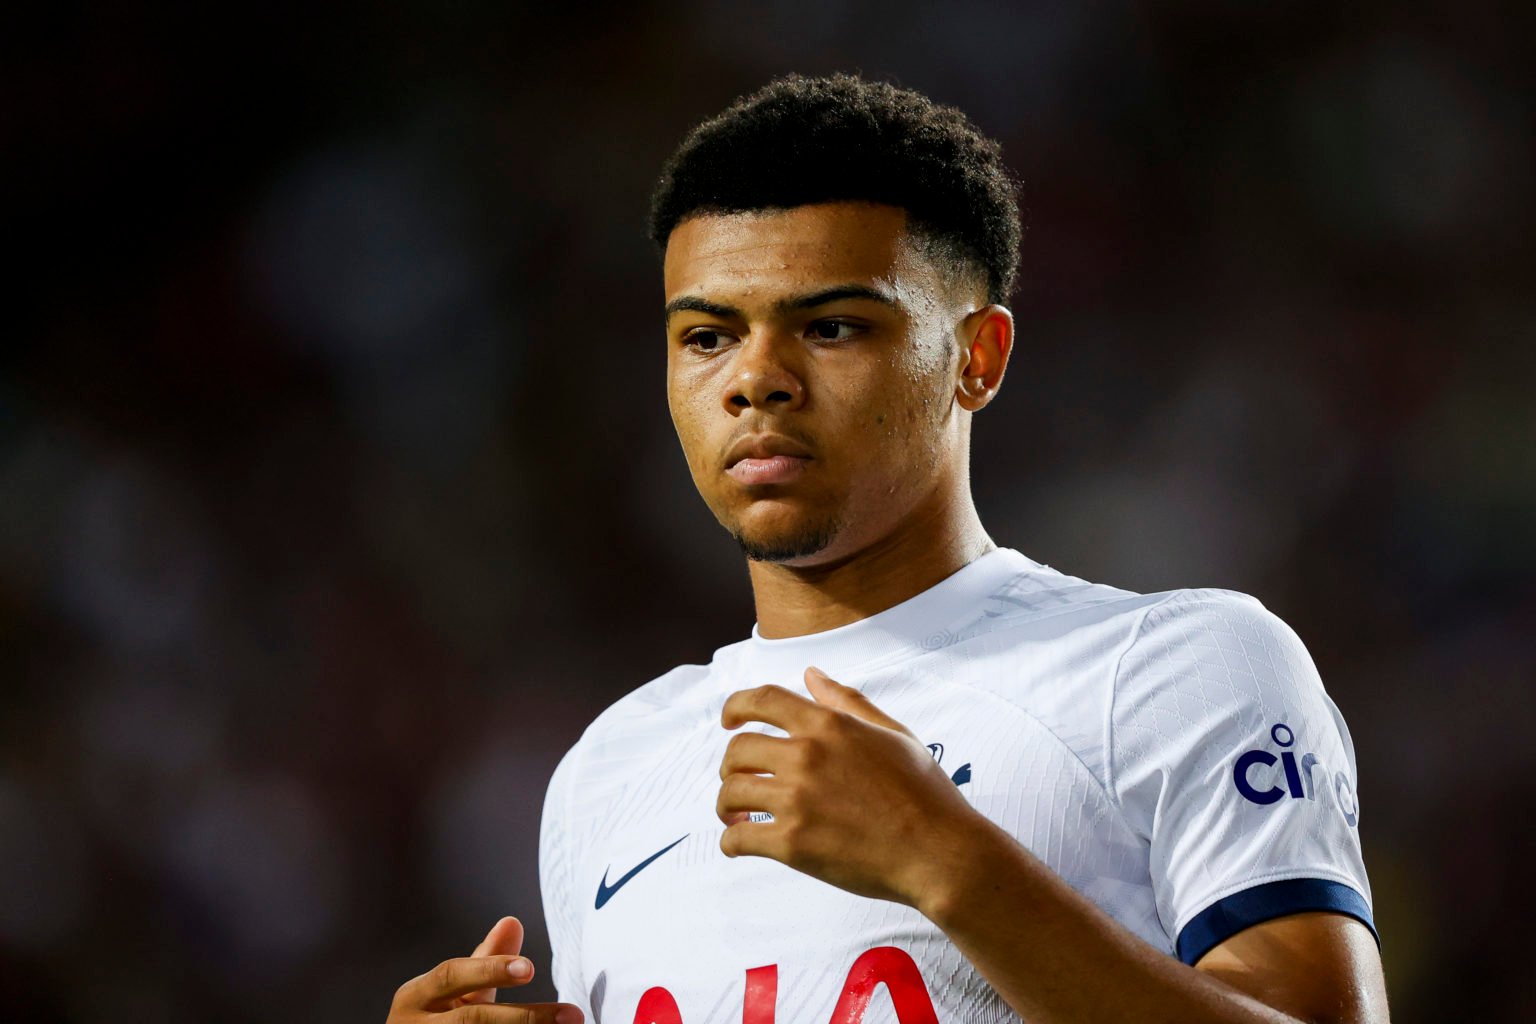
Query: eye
pixel 832 330
pixel 704 341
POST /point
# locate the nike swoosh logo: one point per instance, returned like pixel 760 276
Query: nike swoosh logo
pixel 605 891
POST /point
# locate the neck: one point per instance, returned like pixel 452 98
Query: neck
pixel 930 546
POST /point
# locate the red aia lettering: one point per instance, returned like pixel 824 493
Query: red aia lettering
pixel 657 1007
pixel 884 965
pixel 897 971
pixel 762 995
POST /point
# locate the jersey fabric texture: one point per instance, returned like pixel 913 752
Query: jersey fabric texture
pixel 1173 756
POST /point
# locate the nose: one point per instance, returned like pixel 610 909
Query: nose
pixel 764 377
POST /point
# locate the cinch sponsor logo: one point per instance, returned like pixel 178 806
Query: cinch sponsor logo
pixel 1297 775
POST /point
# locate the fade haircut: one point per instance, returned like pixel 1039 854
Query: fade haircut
pixel 803 140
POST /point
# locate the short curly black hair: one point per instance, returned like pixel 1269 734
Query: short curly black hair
pixel 801 140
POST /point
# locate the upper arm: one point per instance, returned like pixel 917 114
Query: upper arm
pixel 1233 763
pixel 1320 967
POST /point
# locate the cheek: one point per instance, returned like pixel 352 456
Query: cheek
pixel 897 443
pixel 913 407
pixel 924 375
pixel 687 422
pixel 911 432
pixel 699 435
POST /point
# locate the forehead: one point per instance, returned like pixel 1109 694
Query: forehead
pixel 761 253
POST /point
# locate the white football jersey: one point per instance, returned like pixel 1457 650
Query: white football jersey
pixel 1172 756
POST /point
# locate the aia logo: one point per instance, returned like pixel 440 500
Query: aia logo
pixel 883 965
pixel 1297 776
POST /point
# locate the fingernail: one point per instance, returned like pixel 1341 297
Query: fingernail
pixel 567 1015
pixel 519 968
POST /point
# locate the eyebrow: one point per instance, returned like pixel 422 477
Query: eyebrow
pixel 810 300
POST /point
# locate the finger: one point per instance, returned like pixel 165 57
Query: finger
pixel 505 938
pixel 437 988
pixel 833 694
pixel 755 752
pixel 519 972
pixel 771 704
pixel 746 793
pixel 753 839
pixel 516 1013
pixel 485 943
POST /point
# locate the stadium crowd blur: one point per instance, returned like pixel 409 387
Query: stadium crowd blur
pixel 338 492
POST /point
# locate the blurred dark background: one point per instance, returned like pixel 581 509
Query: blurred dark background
pixel 338 493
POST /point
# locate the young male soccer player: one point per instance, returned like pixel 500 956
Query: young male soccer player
pixel 940 781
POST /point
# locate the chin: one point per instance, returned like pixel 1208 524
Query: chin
pixel 790 542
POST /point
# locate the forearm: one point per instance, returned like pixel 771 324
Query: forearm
pixel 1054 956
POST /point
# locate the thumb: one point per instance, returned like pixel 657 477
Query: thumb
pixel 834 694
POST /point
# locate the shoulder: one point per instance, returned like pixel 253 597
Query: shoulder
pixel 1219 644
pixel 630 724
pixel 672 691
pixel 1212 609
pixel 1208 675
pixel 1111 625
pixel 1107 669
pixel 1039 615
pixel 1037 633
pixel 1028 594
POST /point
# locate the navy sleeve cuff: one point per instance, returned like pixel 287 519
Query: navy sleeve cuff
pixel 1226 917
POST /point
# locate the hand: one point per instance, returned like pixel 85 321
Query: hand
pixel 857 800
pixel 466 987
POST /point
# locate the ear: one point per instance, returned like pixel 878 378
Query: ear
pixel 986 340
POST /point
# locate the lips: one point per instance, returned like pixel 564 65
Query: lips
pixel 780 469
pixel 766 459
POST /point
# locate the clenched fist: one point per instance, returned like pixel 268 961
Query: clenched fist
pixel 857 800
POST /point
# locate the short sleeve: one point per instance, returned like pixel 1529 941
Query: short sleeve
pixel 562 914
pixel 1228 757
